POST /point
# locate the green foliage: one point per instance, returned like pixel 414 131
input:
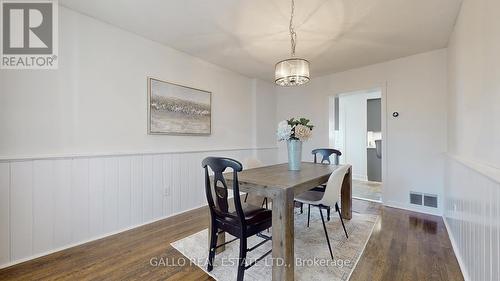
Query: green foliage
pixel 302 121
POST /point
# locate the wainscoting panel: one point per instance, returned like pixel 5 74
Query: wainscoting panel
pixel 96 196
pixel 472 215
pixel 43 205
pixel 50 204
pixel 4 213
pixel 62 203
pixel 21 209
pixel 80 194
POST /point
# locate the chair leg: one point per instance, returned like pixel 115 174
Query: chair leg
pixel 326 232
pixel 308 214
pixel 328 214
pixel 341 219
pixel 301 208
pixel 267 207
pixel 264 202
pixel 241 262
pixel 211 251
pixel 246 197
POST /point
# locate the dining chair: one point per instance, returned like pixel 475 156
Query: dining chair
pixel 326 199
pixel 245 221
pixel 251 163
pixel 325 154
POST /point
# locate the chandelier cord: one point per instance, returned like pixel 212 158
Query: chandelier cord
pixel 293 35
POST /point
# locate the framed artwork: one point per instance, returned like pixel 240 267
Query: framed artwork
pixel 178 110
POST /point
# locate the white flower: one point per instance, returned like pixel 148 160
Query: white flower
pixel 284 131
pixel 283 124
pixel 302 132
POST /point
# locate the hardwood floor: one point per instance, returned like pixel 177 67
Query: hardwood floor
pixel 404 246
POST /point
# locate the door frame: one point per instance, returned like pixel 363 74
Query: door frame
pixel 383 94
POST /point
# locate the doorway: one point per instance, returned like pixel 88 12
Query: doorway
pixel 357 131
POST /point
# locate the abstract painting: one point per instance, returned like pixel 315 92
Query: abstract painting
pixel 178 110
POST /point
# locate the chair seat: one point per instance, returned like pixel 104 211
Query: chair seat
pixel 310 197
pixel 254 214
pixel 257 219
pixel 320 188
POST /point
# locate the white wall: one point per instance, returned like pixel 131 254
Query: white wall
pixel 264 133
pixel 353 131
pixel 474 100
pixel 473 171
pixel 96 102
pixel 416 141
pixel 76 162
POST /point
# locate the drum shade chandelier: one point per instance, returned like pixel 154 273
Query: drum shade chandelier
pixel 293 71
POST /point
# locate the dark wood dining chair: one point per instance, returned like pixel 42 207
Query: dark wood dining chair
pixel 325 154
pixel 245 221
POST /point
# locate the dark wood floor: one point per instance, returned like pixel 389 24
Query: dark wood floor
pixel 403 246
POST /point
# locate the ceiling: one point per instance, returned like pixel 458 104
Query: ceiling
pixel 249 37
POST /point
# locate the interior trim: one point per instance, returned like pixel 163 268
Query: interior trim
pixel 419 209
pixel 125 153
pixel 454 246
pixel 484 169
pixel 32 257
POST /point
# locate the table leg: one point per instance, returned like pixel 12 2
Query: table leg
pixel 346 195
pixel 283 251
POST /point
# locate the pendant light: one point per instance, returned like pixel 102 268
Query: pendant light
pixel 293 71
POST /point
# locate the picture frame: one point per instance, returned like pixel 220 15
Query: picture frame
pixel 174 109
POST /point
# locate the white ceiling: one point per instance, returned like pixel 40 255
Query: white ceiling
pixel 250 36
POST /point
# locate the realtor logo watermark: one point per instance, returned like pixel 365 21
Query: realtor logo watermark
pixel 29 34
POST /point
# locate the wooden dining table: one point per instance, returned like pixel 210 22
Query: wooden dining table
pixel 280 185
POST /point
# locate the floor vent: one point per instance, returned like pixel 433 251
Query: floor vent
pixel 430 200
pixel 415 198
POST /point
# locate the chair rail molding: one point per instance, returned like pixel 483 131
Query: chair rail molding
pixel 489 171
pixel 10 158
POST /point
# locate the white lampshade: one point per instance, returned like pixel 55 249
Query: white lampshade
pixel 292 72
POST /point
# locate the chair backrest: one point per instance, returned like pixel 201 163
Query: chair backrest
pixel 220 207
pixel 252 162
pixel 325 153
pixel 332 191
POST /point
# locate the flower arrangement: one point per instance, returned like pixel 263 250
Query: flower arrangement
pixel 294 129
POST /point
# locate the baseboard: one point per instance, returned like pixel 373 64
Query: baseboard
pixel 360 177
pixel 18 261
pixel 388 204
pixel 374 182
pixel 461 263
pixel 366 199
pixel 424 210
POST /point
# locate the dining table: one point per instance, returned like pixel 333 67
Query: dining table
pixel 281 185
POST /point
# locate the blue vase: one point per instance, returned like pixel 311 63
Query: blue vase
pixel 294 154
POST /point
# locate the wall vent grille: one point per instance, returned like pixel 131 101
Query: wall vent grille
pixel 431 200
pixel 416 198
